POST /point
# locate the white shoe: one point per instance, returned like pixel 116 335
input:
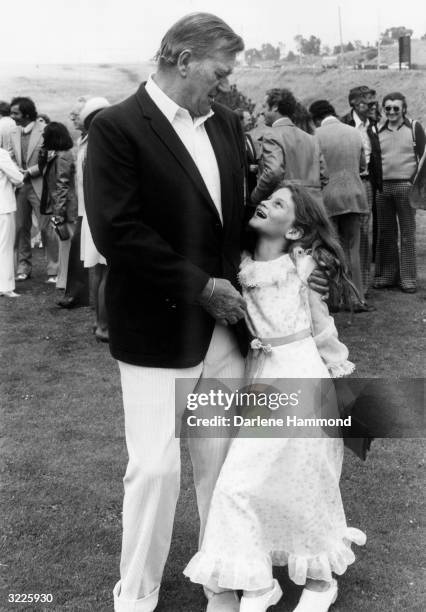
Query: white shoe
pixel 223 602
pixel 52 279
pixel 317 601
pixel 9 294
pixel 262 602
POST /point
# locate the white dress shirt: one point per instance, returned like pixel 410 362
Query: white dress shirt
pixel 362 128
pixel 192 133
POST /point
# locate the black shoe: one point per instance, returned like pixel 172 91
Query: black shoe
pixel 409 289
pixel 68 302
pixel 363 307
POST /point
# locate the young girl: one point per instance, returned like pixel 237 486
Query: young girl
pixel 277 500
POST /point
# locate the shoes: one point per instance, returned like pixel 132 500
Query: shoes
pixel 22 276
pixel 9 294
pixel 223 602
pixel 317 601
pixel 52 279
pixel 364 307
pixel 101 335
pixel 68 302
pixel 262 603
pixel 388 286
pixel 409 289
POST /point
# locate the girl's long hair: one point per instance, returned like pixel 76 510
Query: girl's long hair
pixel 320 238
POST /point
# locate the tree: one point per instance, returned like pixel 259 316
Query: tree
pixel 391 35
pixel 348 47
pixel 291 57
pixel 308 46
pixel 268 52
pixel 423 37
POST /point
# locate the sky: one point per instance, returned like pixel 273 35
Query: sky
pixel 58 31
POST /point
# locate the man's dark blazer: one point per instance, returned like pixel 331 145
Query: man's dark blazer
pixel 375 165
pixel 153 219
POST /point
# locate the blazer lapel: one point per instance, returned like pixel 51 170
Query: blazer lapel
pixel 35 136
pixel 16 145
pixel 165 132
pixel 224 162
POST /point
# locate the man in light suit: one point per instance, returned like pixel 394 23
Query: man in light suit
pixel 26 141
pixel 289 155
pixel 344 197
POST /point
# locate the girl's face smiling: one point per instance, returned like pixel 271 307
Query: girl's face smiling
pixel 274 217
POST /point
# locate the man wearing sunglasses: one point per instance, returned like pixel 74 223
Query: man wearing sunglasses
pixel 402 143
pixel 363 104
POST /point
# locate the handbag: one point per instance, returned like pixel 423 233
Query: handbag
pixel 61 228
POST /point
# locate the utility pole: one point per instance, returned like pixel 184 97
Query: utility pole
pixel 341 38
pixel 379 41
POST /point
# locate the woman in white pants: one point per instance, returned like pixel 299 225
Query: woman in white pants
pixel 10 177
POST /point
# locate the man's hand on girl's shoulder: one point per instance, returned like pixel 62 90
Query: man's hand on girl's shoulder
pixel 319 282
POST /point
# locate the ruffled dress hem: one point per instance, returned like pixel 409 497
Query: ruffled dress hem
pixel 250 574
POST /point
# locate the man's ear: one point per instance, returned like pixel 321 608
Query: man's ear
pixel 183 60
pixel 294 233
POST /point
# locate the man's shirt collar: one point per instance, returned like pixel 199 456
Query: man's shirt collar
pixel 330 119
pixel 168 107
pixel 28 128
pixel 359 121
pixel 283 121
pixel 405 122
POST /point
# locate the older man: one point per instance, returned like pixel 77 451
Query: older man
pixel 165 189
pixel 165 192
pixel 288 153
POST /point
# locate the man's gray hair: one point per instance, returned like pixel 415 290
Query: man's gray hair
pixel 200 33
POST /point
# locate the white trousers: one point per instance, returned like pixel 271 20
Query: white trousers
pixel 7 257
pixel 152 479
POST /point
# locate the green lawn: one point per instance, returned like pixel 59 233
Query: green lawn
pixel 63 457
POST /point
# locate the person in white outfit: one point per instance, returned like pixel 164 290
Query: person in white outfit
pixel 10 177
pixel 277 500
pixel 7 126
pixel 89 253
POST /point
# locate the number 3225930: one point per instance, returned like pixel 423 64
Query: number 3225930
pixel 30 598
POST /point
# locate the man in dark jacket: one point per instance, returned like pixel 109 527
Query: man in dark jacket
pixel 164 198
pixel 362 101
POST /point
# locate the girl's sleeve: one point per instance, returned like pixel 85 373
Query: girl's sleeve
pixel 10 168
pixel 333 352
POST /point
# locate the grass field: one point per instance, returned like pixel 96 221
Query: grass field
pixel 63 457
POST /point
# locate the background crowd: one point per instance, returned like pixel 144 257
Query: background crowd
pixel 361 166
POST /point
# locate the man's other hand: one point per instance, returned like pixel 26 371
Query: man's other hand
pixel 319 282
pixel 225 304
